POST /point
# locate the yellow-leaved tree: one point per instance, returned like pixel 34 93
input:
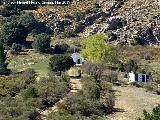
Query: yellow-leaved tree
pixel 96 49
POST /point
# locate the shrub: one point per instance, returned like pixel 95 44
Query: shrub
pixel 158 36
pixel 68 33
pixel 11 32
pixel 60 48
pixel 154 115
pixel 94 70
pixel 131 65
pixel 30 74
pixel 120 67
pixel 50 90
pixel 59 63
pixel 41 42
pixel 63 116
pixel 16 109
pixel 30 92
pixel 3 63
pixel 110 77
pixel 28 21
pixel 16 48
pixel 89 101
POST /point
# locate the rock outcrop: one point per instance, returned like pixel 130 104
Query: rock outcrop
pixel 126 19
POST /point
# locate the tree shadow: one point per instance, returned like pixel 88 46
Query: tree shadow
pixel 118 110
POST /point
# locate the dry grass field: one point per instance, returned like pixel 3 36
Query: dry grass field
pixel 131 101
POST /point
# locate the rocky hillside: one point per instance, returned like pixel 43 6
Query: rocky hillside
pixel 125 21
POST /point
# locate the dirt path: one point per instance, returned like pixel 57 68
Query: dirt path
pixel 54 108
pixel 131 101
pixel 75 85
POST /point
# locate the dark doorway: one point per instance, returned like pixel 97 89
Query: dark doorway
pixel 78 61
pixel 143 78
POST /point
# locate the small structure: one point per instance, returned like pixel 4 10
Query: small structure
pixel 77 58
pixel 138 78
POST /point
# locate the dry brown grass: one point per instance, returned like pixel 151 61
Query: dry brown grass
pixel 138 53
pixel 132 101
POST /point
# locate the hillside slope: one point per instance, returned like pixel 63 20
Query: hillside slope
pixel 125 19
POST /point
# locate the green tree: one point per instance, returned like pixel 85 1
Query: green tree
pixel 11 32
pixel 28 21
pixel 41 42
pixel 97 50
pixel 59 63
pixel 3 64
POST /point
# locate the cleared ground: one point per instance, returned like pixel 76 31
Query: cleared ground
pixel 36 61
pixel 131 101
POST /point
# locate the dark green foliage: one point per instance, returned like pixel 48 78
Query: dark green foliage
pixel 68 33
pixel 59 63
pixel 11 32
pixel 50 90
pixel 158 36
pixel 3 64
pixel 28 21
pixel 16 48
pixel 121 67
pixel 63 116
pixel 12 85
pixel 139 41
pixel 61 48
pixel 16 109
pixel 131 65
pixel 91 100
pixel 19 100
pixel 30 92
pixel 155 115
pixel 8 10
pixel 41 42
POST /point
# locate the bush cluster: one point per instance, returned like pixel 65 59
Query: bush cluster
pixel 94 100
pixel 21 96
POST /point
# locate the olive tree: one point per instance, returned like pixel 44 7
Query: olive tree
pixel 59 63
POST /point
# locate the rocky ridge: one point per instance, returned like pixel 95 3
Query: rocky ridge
pixel 126 21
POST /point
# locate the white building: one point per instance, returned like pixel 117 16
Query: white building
pixel 77 58
pixel 138 77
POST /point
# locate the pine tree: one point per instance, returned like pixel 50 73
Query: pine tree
pixel 3 64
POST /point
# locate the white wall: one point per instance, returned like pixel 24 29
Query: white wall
pixel 131 77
